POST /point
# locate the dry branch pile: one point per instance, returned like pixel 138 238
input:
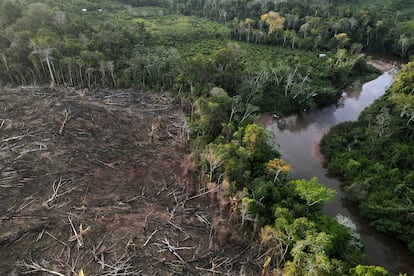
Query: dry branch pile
pixel 91 184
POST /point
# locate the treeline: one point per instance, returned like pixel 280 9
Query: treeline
pixel 63 45
pixel 304 26
pixel 375 155
pixel 316 25
pixel 86 45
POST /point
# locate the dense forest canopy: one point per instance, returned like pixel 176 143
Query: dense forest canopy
pixel 107 44
pixel 376 155
pixel 315 24
pixel 224 62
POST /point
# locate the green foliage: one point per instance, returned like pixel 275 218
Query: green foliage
pixel 335 141
pixel 314 245
pixel 237 166
pixel 256 141
pixel 354 25
pixel 287 210
pixel 189 48
pixel 404 83
pixel 14 11
pixel 312 191
pixel 363 270
pixel 375 155
pixel 240 153
pixel 310 255
pixel 156 47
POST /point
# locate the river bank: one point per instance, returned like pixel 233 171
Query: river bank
pixel 381 65
pixel 299 137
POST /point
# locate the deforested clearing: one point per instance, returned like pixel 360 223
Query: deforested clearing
pixel 99 182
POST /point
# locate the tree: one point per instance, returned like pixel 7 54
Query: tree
pixel 213 158
pixel 229 67
pixel 244 209
pixel 382 124
pixel 353 23
pixel 42 47
pixel 356 48
pixel 275 20
pixel 312 191
pixel 11 11
pixel 404 43
pixel 406 103
pixel 277 167
pixel 256 141
pixel 223 16
pixel 60 19
pixel 402 94
pixel 274 244
pixel 342 39
pixel 36 15
pixel 236 163
pixel 213 112
pixel 248 23
pixel 310 255
pixel 365 270
pixel 305 29
pixel 404 83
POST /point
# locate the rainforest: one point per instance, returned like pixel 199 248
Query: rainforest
pixel 130 142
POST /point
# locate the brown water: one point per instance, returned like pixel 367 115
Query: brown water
pixel 299 137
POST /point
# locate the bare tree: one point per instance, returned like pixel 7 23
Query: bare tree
pixel 45 54
pixel 211 154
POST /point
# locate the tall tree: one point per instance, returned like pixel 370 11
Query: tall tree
pixel 312 191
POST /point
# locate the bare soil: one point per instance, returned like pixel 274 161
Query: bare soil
pixel 100 181
pixel 381 65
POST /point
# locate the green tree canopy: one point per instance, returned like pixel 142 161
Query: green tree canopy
pixel 312 191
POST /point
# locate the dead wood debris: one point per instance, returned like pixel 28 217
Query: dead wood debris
pixel 66 117
pixel 94 179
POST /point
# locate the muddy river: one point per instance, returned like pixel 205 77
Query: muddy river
pixel 299 137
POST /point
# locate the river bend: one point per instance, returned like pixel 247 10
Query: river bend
pixel 299 137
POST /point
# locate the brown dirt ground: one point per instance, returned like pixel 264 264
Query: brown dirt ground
pixel 384 66
pixel 95 192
